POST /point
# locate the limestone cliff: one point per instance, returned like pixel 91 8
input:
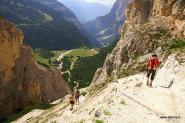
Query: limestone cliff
pixel 22 80
pixel 150 26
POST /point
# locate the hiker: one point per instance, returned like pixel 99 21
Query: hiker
pixel 77 96
pixel 72 101
pixel 152 66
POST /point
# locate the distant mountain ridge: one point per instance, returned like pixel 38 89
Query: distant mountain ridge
pixel 65 12
pixel 107 28
pixel 46 24
pixel 86 11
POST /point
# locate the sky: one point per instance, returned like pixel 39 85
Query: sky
pixel 105 2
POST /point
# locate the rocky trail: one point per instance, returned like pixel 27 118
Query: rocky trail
pixel 127 100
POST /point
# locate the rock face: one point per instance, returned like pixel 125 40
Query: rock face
pixel 107 28
pixel 22 80
pixel 150 27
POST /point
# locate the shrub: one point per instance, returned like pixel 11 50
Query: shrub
pixel 99 121
pixel 177 44
pixel 83 93
pixel 106 112
pixel 43 64
pixel 82 121
pixel 123 102
pixel 45 53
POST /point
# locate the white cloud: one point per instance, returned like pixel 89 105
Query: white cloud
pixel 105 2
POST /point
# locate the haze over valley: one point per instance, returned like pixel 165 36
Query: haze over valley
pixel 87 10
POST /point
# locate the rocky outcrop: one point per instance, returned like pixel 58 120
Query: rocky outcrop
pixel 106 29
pixel 150 27
pixel 22 81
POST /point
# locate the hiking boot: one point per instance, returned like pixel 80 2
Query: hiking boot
pixel 151 85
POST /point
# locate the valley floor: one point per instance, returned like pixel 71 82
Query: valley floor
pixel 126 101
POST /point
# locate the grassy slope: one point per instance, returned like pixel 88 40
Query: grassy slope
pixel 177 44
pixel 44 56
pixel 85 67
pixel 47 58
pixel 84 52
pixel 82 63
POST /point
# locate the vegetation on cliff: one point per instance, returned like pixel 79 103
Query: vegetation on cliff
pixel 78 65
pixel 85 67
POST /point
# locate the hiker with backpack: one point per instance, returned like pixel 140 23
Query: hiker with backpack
pixel 77 97
pixel 72 101
pixel 152 66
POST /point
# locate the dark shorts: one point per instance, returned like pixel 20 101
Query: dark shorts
pixel 72 102
pixel 77 97
pixel 151 73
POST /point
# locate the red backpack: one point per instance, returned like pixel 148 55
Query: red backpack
pixel 153 63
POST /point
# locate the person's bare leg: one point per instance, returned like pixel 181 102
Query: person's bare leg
pixel 148 77
pixel 78 101
pixel 152 78
pixel 151 82
pixel 72 107
pixel 147 83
